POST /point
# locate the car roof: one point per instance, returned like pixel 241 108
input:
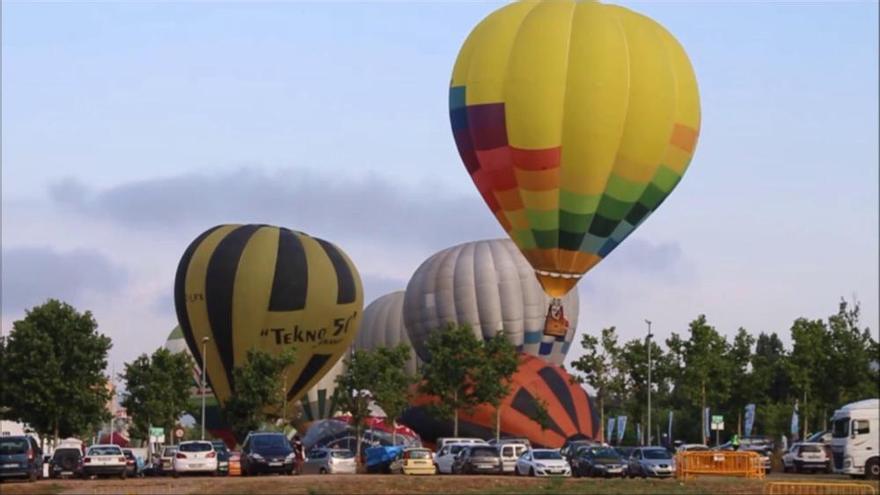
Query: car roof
pixel 105 445
pixel 194 441
pixel 545 450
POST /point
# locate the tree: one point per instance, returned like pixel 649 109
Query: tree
pixel 452 371
pixel 353 390
pixel 851 354
pixel 810 346
pixel 542 415
pixel 157 389
pixel 392 386
pixel 258 393
pixel 599 367
pixel 499 363
pixel 742 387
pixel 634 370
pixel 54 371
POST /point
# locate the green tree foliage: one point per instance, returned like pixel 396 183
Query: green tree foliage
pixel 157 388
pixel 259 392
pixel 453 370
pixel 600 368
pixel 499 363
pixel 354 390
pixel 392 386
pixel 54 363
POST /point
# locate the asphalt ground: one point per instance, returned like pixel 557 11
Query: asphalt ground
pixel 364 484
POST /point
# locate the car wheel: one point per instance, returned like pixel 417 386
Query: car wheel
pixel 175 474
pixel 872 469
pixel 797 468
pixel 32 476
pixel 322 471
pixel 123 475
pixel 531 471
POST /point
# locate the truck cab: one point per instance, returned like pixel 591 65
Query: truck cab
pixel 855 435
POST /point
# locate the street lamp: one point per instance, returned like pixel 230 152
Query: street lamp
pixel 649 381
pixel 204 367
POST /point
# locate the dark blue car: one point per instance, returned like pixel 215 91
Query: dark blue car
pixel 266 452
pixel 20 457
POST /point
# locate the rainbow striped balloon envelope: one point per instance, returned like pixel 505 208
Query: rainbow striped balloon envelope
pixel 575 121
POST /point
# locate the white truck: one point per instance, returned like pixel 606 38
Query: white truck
pixel 855 435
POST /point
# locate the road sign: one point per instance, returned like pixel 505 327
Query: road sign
pixel 157 432
pixel 178 433
pixel 717 422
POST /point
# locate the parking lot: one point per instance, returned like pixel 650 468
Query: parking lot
pixel 369 484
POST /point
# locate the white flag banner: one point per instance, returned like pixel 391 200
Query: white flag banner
pixel 750 419
pixel 610 430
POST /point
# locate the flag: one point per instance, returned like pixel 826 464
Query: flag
pixel 794 420
pixel 706 421
pixel 750 419
pixel 610 430
pixel 621 427
pixel 639 434
pixel 669 429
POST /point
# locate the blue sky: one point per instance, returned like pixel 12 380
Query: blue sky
pixel 128 128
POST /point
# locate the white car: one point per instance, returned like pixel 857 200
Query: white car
pixel 195 457
pixel 445 457
pixel 807 456
pixel 510 452
pixel 104 460
pixel 542 462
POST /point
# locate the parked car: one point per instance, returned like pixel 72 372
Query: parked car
pixel 445 457
pixel 820 437
pixel 378 459
pixel 134 465
pixel 414 461
pixel 807 456
pixel 443 441
pixel 222 456
pixel 330 461
pixel 166 461
pixel 598 461
pixel 763 450
pixel 195 456
pixel 266 452
pixel 510 453
pixel 507 440
pixel 66 462
pixel 105 460
pixel 475 459
pixel 651 461
pixel 570 447
pixel 625 452
pixel 692 447
pixel 542 462
pixel 20 457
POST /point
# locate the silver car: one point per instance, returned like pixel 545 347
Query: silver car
pixel 330 461
pixel 651 461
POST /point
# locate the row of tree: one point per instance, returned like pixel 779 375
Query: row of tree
pixel 830 363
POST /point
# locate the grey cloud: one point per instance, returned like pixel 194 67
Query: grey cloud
pixel 335 207
pixel 33 274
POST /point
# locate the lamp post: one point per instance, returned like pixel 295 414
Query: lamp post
pixel 204 367
pixel 649 381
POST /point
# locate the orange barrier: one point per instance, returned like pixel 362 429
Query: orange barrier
pixel 809 488
pixel 720 463
pixel 234 467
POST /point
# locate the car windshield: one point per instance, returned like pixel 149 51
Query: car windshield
pixel 656 454
pixel 128 454
pixel 697 448
pixel 342 454
pixel 66 452
pixel 220 446
pixel 816 437
pixel 810 448
pixel 840 428
pixel 484 452
pixel 604 452
pixel 169 451
pixel 456 449
pixel 105 450
pixel 546 454
pixel 11 446
pixel 196 447
pixel 419 454
pixel 271 441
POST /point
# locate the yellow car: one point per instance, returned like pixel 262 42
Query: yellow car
pixel 414 461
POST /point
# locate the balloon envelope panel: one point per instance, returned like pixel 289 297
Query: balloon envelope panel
pixel 490 286
pixel 269 288
pixel 575 120
pixel 570 409
pixel 382 326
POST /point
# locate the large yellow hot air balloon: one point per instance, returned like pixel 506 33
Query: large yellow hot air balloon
pixel 269 288
pixel 575 120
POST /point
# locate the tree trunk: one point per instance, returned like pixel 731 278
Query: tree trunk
pixel 498 422
pixel 804 437
pixel 55 435
pixel 393 432
pixel 739 423
pixel 357 454
pixel 703 410
pixel 602 425
pixel 455 415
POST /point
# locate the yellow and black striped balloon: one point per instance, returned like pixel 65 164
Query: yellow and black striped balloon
pixel 269 288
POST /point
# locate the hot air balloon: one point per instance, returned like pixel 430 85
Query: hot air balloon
pixel 269 288
pixel 382 326
pixel 318 402
pixel 567 404
pixel 575 121
pixel 491 287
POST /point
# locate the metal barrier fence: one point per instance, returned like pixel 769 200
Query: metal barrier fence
pixel 809 488
pixel 721 463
